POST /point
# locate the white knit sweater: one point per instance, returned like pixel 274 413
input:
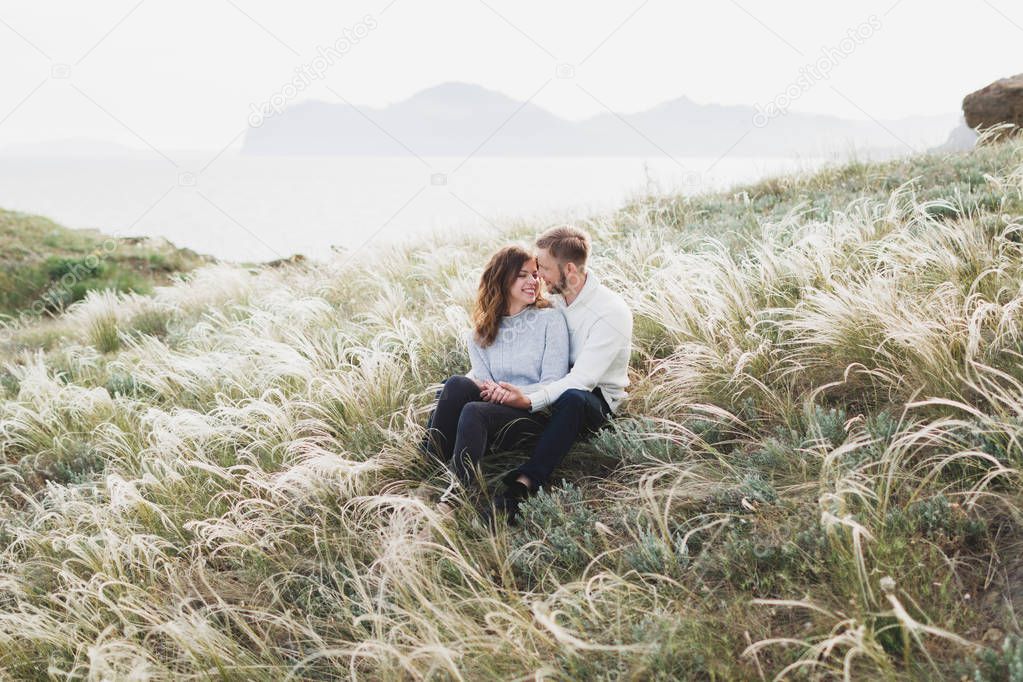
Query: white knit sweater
pixel 600 343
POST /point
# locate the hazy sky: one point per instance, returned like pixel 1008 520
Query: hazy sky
pixel 185 74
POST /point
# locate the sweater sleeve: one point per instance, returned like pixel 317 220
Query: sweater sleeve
pixel 554 365
pixel 608 337
pixel 479 371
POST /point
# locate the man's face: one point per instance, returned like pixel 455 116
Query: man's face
pixel 551 271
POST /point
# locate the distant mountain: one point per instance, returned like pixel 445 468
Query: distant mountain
pixel 449 119
pixel 961 139
pixel 456 119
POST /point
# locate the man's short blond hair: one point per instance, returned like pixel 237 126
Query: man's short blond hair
pixel 566 243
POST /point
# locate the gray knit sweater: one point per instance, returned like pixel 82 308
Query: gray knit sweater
pixel 531 350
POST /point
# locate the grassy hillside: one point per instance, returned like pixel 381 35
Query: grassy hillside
pixel 817 475
pixel 45 267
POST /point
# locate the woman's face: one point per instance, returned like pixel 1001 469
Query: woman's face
pixel 525 286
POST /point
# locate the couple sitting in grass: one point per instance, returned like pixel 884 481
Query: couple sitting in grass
pixel 543 371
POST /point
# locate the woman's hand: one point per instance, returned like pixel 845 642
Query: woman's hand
pixel 493 392
pixel 486 389
pixel 505 394
pixel 499 394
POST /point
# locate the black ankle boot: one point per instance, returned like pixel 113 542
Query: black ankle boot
pixel 508 501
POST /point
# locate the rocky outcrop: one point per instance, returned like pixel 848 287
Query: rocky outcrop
pixel 296 259
pixel 998 103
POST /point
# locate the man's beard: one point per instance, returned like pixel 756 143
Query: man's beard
pixel 560 286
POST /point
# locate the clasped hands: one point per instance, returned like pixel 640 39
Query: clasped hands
pixel 504 393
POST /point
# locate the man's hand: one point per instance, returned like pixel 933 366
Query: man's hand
pixel 510 395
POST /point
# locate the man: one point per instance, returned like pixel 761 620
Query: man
pixel 600 343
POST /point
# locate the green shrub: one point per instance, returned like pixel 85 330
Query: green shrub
pixel 634 440
pixel 819 427
pixel 123 384
pixel 1004 665
pixel 158 261
pixel 882 426
pixel 68 461
pixel 677 649
pixel 1004 443
pixel 773 453
pixel 64 281
pixel 752 488
pixel 936 518
pixel 78 268
pixel 826 424
pixel 755 556
pixel 557 532
pixel 649 554
pixel 708 431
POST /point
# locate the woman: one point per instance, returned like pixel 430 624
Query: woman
pixel 517 337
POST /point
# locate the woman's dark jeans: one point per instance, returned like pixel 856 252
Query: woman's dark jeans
pixel 463 426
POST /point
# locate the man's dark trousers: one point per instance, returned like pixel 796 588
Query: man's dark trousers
pixel 574 413
pixel 463 423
